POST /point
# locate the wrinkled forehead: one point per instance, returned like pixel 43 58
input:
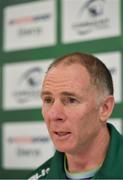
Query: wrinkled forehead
pixel 70 70
pixel 61 76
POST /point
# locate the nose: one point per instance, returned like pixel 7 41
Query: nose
pixel 57 112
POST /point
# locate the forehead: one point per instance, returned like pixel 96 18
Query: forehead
pixel 64 76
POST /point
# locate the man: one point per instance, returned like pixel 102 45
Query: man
pixel 77 95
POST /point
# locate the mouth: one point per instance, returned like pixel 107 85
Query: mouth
pixel 62 135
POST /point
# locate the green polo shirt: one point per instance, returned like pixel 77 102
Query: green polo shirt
pixel 112 167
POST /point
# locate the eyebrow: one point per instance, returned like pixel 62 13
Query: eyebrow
pixel 45 93
pixel 64 93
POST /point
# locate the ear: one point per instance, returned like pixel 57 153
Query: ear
pixel 106 108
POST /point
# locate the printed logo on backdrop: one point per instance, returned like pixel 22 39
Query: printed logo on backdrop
pixel 22 84
pixel 25 145
pixel 113 62
pixel 22 140
pixel 28 85
pixel 35 27
pixel 93 12
pixel 90 19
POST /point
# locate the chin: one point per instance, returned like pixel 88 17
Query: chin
pixel 65 149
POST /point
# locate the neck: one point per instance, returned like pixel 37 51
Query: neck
pixel 91 155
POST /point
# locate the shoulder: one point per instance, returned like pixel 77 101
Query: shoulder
pixel 51 169
pixel 42 171
pixel 115 135
pixel 116 146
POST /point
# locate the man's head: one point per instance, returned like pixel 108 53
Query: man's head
pixel 77 96
pixel 99 74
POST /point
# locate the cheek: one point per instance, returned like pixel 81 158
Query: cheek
pixel 45 115
pixel 78 114
pixel 80 119
pixel 44 110
pixel 76 120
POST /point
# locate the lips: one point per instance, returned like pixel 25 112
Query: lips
pixel 62 135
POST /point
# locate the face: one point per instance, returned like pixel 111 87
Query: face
pixel 70 107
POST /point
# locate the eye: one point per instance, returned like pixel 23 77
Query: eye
pixel 48 100
pixel 70 100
